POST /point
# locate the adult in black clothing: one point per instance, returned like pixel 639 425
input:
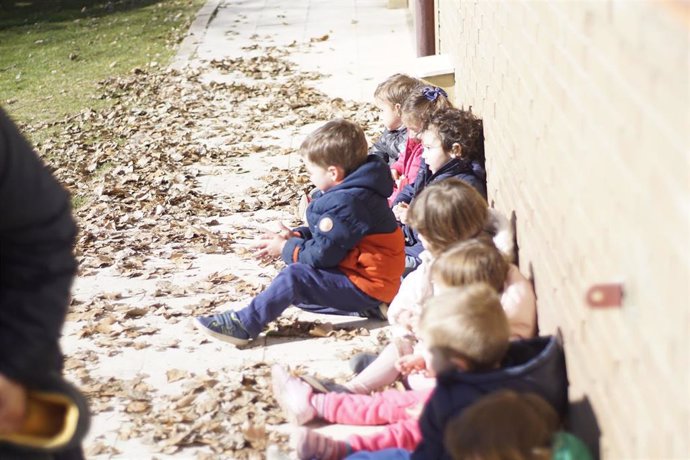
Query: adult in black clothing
pixel 41 415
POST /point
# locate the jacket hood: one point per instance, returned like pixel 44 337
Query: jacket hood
pixel 478 170
pixel 528 364
pixel 373 175
pixel 453 167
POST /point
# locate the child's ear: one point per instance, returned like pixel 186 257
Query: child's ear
pixel 337 173
pixel 456 150
pixel 396 109
pixel 460 363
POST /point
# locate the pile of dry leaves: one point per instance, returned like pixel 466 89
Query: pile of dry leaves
pixel 133 170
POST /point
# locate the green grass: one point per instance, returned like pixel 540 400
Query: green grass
pixel 52 53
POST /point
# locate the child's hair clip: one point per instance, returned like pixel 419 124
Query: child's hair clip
pixel 431 93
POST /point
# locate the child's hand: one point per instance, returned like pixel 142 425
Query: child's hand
pixel 395 174
pixel 284 233
pixel 12 406
pixel 408 320
pixel 270 248
pixel 400 212
pixel 410 363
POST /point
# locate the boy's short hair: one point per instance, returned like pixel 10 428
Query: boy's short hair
pixel 460 127
pixel 422 102
pixel 468 322
pixel 396 88
pixel 503 425
pixel 447 212
pixel 337 143
pixel 471 261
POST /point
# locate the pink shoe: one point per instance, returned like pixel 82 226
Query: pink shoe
pixel 309 444
pixel 293 395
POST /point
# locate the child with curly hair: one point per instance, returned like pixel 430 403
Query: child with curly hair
pixel 453 146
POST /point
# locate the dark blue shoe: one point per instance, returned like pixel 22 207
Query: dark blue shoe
pixel 361 361
pixel 223 326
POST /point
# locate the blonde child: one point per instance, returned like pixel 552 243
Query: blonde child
pixel 453 146
pixel 506 425
pixel 467 334
pixel 389 97
pixel 416 111
pixel 517 295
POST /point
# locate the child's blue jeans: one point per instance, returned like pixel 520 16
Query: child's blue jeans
pixel 385 454
pixel 319 290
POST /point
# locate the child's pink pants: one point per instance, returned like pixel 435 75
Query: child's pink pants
pixel 388 408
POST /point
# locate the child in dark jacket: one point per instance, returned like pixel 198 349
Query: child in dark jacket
pixel 453 145
pixel 534 365
pixel 467 333
pixel 41 415
pixel 389 97
pixel 349 258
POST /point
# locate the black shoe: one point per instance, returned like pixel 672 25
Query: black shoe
pixel 324 385
pixel 361 361
pixel 380 313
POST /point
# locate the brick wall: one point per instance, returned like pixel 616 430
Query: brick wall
pixel 585 108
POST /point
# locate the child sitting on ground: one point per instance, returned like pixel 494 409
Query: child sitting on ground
pixel 453 144
pixel 506 425
pixel 389 97
pixel 349 258
pixel 535 365
pixel 416 111
pixel 467 333
pixel 517 294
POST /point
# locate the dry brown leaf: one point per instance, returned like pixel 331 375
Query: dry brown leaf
pixel 137 407
pixel 174 375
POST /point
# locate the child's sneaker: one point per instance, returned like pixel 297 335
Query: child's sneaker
pixel 312 445
pixel 223 326
pixel 293 395
pixel 324 385
pixel 361 361
pixel 380 313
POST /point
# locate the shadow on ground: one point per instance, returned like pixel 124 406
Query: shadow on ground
pixel 18 13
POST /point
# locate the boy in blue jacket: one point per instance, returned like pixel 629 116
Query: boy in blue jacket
pixel 348 259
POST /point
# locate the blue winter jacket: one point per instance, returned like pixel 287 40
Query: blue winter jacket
pixel 351 226
pixel 468 171
pixel 535 365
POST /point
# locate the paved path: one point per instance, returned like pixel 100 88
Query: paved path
pixel 355 44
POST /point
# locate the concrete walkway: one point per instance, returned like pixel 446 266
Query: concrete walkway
pixel 355 44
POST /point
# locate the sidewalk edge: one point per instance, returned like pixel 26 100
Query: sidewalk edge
pixel 195 35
